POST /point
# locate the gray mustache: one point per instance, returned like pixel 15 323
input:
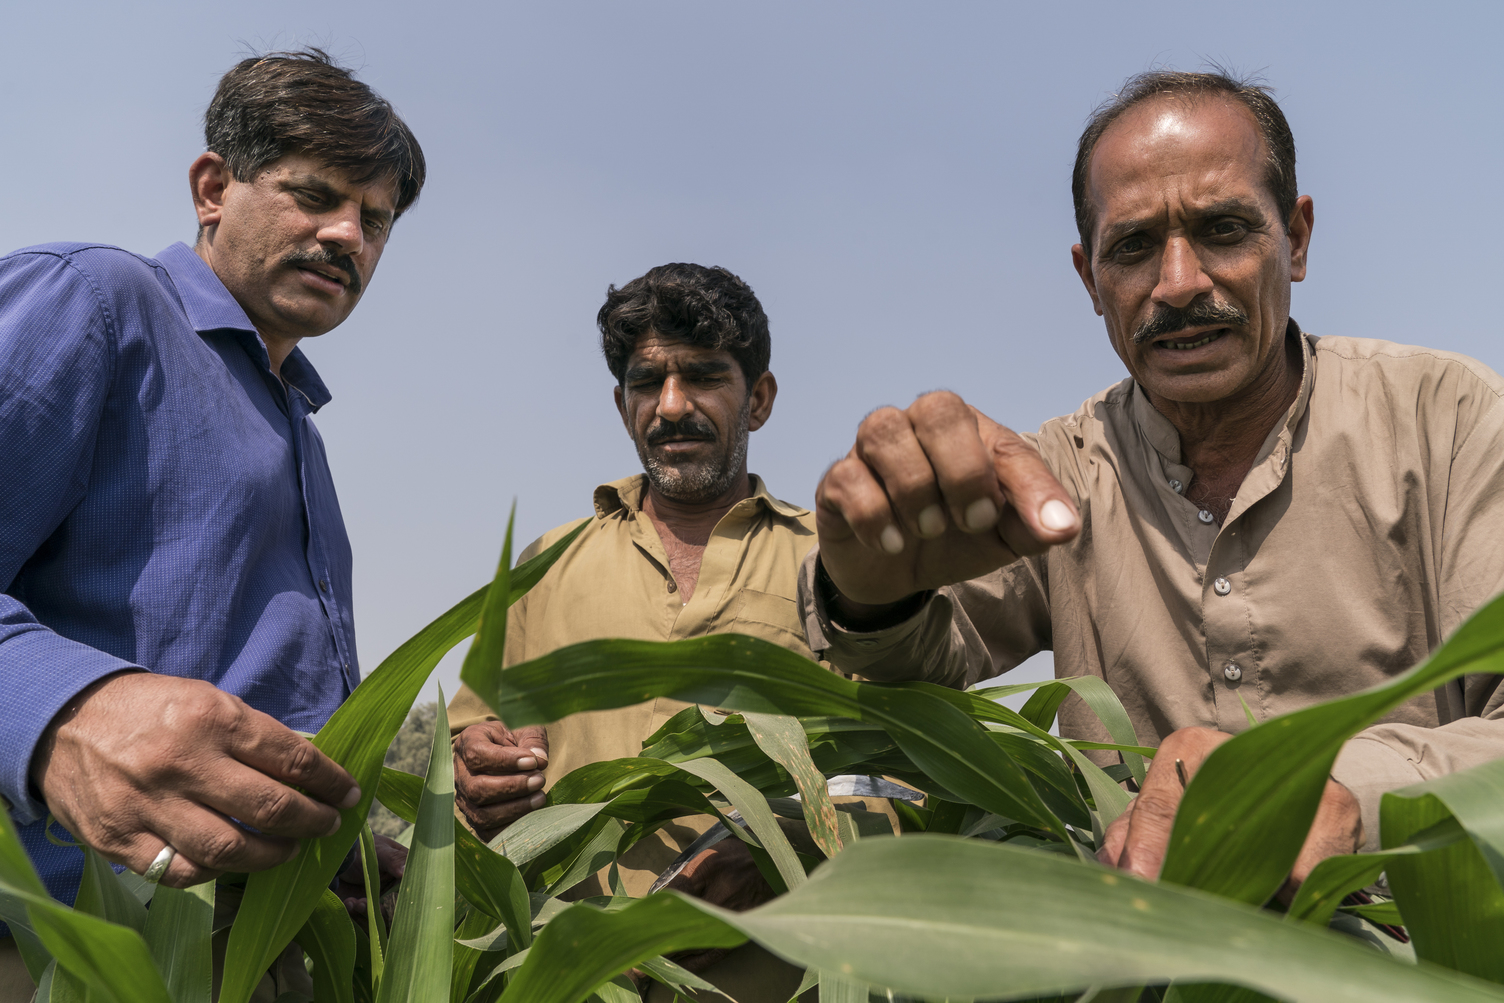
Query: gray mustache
pixel 1168 319
pixel 688 429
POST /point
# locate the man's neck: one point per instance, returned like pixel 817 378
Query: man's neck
pixel 685 527
pixel 1220 440
pixel 693 522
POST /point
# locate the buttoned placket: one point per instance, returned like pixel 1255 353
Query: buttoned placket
pixel 299 409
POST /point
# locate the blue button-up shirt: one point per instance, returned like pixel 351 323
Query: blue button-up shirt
pixel 165 504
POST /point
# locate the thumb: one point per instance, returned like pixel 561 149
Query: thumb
pixel 534 739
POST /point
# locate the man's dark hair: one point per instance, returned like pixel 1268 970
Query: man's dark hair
pixel 304 102
pixel 1279 167
pixel 708 307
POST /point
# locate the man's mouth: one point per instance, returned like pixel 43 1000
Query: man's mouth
pixel 1183 344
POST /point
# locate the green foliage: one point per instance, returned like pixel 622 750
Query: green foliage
pixel 408 754
pixel 993 892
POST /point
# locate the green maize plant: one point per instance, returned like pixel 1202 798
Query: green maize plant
pixel 992 891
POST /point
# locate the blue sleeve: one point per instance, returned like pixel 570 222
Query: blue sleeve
pixel 57 351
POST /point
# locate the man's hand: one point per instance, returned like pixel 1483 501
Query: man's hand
pixel 498 774
pixel 725 875
pixel 934 495
pixel 391 862
pixel 1136 841
pixel 138 761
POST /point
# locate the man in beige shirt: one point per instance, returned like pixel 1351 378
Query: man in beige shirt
pixel 694 546
pixel 1255 515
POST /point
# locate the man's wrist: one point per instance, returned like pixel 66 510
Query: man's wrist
pixel 862 618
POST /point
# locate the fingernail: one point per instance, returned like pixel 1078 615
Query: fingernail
pixel 339 823
pixel 541 754
pixel 536 801
pixel 351 799
pixel 1057 515
pixel 527 763
pixel 931 521
pixel 533 783
pixel 981 514
pixel 892 540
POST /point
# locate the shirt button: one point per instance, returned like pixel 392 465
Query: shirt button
pixel 1231 672
pixel 1205 516
pixel 323 585
pixel 1177 487
pixel 673 586
pixel 1223 586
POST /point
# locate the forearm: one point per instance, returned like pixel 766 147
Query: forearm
pixel 40 674
pixel 1387 757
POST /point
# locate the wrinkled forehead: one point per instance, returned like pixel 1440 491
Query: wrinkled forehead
pixel 1176 150
pixel 654 352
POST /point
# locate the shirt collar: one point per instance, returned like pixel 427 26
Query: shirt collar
pixel 1165 438
pixel 211 307
pixel 628 493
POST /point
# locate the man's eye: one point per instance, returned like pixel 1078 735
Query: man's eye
pixel 1132 246
pixel 1227 228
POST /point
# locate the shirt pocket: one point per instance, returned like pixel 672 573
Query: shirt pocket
pixel 770 617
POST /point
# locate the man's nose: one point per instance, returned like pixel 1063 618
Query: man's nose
pixel 673 403
pixel 1181 277
pixel 341 229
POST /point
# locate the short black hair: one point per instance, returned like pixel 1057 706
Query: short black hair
pixel 1279 168
pixel 704 306
pixel 305 102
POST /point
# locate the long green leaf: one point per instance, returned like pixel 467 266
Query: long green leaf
pixel 754 811
pixel 784 742
pixel 937 916
pixel 483 660
pixel 370 872
pixel 179 931
pixel 1097 695
pixel 329 939
pixel 278 901
pixel 486 879
pixel 1452 902
pixel 420 949
pixel 744 673
pixel 1244 817
pixel 583 947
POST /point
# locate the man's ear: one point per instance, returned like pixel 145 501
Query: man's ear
pixel 1082 262
pixel 621 408
pixel 764 390
pixel 1302 220
pixel 208 177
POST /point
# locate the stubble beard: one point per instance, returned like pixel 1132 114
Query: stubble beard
pixel 706 480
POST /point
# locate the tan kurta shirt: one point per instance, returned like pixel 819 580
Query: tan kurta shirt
pixel 614 581
pixel 1370 527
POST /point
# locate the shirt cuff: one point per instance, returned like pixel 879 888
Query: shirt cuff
pixel 850 651
pixel 40 671
pixel 1370 769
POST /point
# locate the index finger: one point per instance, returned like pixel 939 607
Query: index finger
pixel 262 743
pixel 1040 512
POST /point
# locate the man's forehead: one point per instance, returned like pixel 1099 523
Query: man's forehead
pixel 657 352
pixel 1203 150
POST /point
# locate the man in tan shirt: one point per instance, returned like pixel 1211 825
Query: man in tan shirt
pixel 694 546
pixel 1255 515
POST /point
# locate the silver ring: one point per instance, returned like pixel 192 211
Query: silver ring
pixel 159 865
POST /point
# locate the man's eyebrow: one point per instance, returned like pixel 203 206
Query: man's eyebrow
pixel 322 186
pixel 1114 232
pixel 707 368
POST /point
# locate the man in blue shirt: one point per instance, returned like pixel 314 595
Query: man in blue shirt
pixel 175 568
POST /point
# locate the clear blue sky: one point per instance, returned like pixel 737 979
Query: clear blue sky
pixel 892 179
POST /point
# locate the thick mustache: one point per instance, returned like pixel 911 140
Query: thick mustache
pixel 323 256
pixel 1169 319
pixel 663 431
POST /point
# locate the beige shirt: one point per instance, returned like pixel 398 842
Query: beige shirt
pixel 614 582
pixel 1370 526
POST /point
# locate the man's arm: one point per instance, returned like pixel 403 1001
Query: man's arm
pixel 127 760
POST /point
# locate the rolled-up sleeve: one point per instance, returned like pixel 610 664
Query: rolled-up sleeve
pixel 56 365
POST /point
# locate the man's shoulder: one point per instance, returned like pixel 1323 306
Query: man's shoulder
pixel 1404 366
pixel 102 261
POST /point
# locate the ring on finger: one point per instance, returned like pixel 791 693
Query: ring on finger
pixel 159 865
